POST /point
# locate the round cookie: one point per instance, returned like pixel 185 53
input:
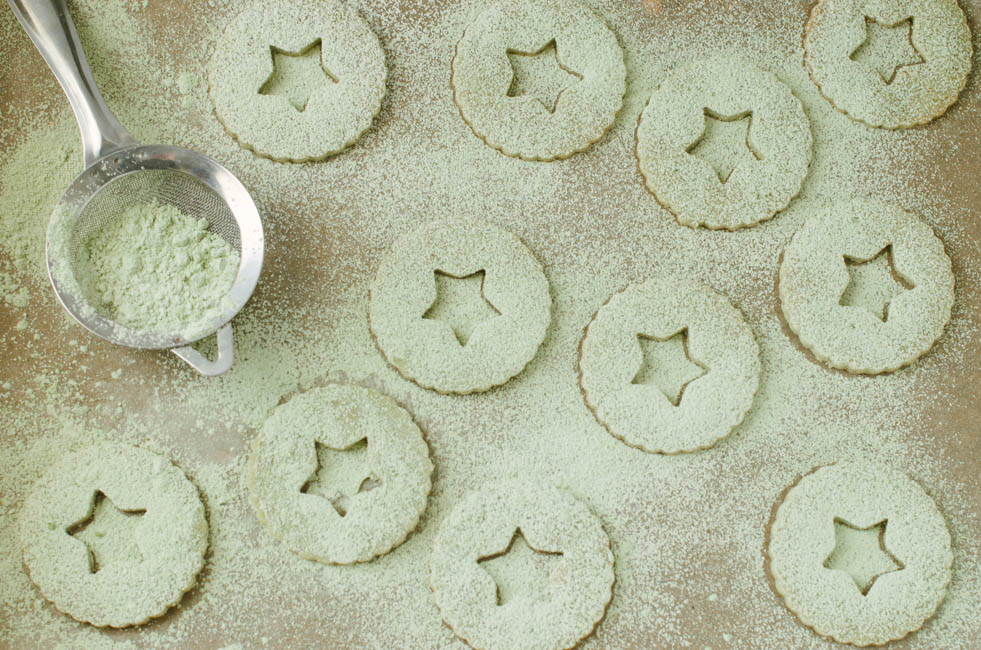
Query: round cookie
pixel 914 93
pixel 485 525
pixel 425 349
pixel 337 110
pixel 157 541
pixel 675 121
pixel 806 536
pixel 814 277
pixel 285 459
pixel 717 338
pixel 521 125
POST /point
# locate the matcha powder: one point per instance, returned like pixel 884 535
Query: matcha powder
pixel 157 269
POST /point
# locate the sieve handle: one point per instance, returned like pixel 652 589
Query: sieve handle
pixel 207 367
pixel 50 26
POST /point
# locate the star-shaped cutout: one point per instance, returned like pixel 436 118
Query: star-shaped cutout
pixel 725 143
pixel 540 75
pixel 520 569
pixel 873 283
pixel 341 475
pixel 461 304
pixel 862 554
pixel 109 534
pixel 887 49
pixel 297 76
pixel 667 364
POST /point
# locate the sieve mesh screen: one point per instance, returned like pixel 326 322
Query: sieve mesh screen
pixel 167 187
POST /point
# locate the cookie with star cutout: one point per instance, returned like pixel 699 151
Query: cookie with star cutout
pixel 723 144
pixel 859 553
pixel 889 63
pixel 519 564
pixel 114 535
pixel 297 80
pixel 669 366
pixel 340 474
pixel 459 306
pixel 866 286
pixel 538 79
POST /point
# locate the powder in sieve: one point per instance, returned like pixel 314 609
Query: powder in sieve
pixel 157 269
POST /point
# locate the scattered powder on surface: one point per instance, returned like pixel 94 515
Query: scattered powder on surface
pixel 681 528
pixel 32 179
pixel 157 269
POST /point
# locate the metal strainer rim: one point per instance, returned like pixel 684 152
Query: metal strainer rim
pixel 134 160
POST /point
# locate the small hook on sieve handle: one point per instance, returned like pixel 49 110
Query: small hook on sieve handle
pixel 50 26
pixel 207 367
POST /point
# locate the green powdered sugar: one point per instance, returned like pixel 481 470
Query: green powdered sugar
pixel 32 180
pixel 157 269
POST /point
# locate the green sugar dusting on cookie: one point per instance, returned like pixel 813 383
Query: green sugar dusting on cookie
pixel 157 269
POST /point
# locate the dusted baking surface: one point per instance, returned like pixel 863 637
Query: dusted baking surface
pixel 687 531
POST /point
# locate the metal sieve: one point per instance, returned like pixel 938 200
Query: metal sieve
pixel 120 172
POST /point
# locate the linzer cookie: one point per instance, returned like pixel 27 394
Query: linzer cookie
pixel 866 286
pixel 860 553
pixel 889 63
pixel 297 80
pixel 723 144
pixel 570 101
